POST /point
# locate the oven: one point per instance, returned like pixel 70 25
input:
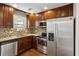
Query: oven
pixel 42 45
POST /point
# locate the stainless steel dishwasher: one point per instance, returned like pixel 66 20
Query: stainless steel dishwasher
pixel 9 49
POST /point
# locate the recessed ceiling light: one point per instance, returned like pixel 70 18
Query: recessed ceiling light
pixel 30 9
pixel 31 12
pixel 37 14
pixel 14 5
pixel 49 11
pixel 45 8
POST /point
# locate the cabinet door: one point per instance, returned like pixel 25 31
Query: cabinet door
pixel 1 16
pixel 57 12
pixel 8 17
pixel 64 11
pixel 71 10
pixel 29 41
pixel 20 45
pixel 67 10
pixel 5 15
pixel 31 21
pixel 51 14
pixel 25 43
pixel 34 42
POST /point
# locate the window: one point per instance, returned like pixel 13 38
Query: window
pixel 19 20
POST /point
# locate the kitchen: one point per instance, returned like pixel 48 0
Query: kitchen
pixel 44 31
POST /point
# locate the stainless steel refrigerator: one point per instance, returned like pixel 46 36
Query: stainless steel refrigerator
pixel 60 34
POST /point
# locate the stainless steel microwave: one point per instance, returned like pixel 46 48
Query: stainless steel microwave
pixel 42 23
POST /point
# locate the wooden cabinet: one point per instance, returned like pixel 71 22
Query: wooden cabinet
pixel 20 47
pixel 1 16
pixel 30 42
pixel 24 44
pixel 34 42
pixel 63 11
pixel 54 13
pixel 6 16
pixel 32 20
pixel 71 10
pixel 66 10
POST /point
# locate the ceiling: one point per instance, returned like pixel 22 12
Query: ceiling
pixel 35 7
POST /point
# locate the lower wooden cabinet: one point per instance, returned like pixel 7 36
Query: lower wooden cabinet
pixel 34 42
pixel 26 43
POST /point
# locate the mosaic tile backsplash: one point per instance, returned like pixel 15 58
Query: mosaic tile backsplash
pixel 7 32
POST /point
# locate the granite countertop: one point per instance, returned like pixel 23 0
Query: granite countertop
pixel 16 37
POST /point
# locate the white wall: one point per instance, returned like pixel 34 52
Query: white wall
pixel 76 15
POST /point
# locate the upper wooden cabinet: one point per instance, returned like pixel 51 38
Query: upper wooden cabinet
pixel 51 14
pixel 32 20
pixel 6 16
pixel 1 16
pixel 71 10
pixel 63 11
pixel 66 10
